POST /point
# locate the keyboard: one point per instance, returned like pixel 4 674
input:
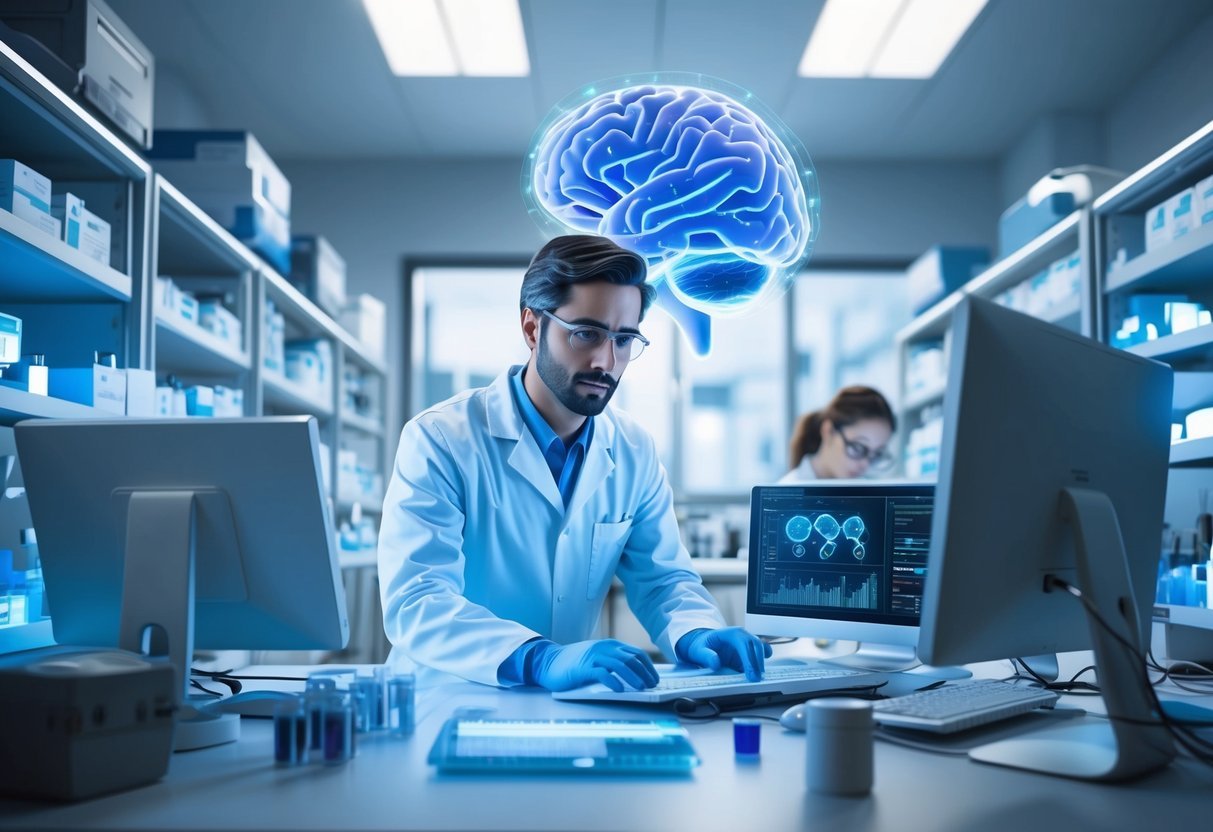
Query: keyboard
pixel 955 707
pixel 778 682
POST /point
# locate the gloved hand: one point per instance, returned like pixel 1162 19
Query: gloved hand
pixel 732 647
pixel 567 666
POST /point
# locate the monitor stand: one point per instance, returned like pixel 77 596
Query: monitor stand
pixel 893 658
pixel 1132 742
pixel 163 530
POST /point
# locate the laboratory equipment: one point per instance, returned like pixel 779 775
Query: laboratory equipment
pixel 961 705
pixel 79 722
pixel 875 601
pixel 87 49
pixel 159 535
pixel 1053 472
pixel 401 704
pixel 603 746
pixel 337 725
pixel 838 746
pixel 318 271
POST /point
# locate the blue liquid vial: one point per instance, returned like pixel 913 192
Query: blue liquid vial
pixel 292 734
pixel 315 693
pixel 747 736
pixel 337 725
pixel 401 704
pixel 370 703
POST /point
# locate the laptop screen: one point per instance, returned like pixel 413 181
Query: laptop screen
pixel 854 552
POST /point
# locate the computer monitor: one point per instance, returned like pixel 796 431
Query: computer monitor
pixel 158 536
pixel 1053 466
pixel 841 559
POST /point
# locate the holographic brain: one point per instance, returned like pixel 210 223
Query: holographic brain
pixel 720 201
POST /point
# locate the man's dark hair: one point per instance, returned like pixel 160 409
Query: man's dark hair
pixel 581 258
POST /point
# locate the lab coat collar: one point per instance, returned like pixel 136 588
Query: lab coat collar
pixel 505 422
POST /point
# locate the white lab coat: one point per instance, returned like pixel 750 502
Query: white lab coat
pixel 477 553
pixel 801 473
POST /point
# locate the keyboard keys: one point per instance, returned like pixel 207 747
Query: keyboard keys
pixel 955 707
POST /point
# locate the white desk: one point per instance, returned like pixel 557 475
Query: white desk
pixel 390 786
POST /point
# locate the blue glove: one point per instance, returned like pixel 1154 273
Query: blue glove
pixel 567 666
pixel 731 647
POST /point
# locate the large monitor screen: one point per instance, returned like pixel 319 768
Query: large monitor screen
pixel 845 560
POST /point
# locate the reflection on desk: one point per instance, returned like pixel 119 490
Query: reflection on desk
pixel 390 785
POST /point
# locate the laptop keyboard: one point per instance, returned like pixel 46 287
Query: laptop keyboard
pixel 772 674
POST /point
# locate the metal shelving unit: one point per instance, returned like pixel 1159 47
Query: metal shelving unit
pixel 1183 266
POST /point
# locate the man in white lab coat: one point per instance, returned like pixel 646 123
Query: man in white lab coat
pixel 512 506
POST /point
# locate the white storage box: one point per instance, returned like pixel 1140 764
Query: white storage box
pixel 365 317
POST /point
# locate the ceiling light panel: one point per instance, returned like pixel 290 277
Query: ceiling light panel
pixel 412 36
pixel 923 36
pixel 488 37
pixel 846 37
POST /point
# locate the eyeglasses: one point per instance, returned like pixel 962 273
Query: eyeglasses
pixel 878 459
pixel 586 338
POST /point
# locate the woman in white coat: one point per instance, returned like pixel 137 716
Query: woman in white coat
pixel 511 507
pixel 845 439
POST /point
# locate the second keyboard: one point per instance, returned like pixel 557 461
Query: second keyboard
pixel 962 705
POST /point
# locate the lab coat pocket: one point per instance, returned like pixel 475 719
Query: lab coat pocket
pixel 605 549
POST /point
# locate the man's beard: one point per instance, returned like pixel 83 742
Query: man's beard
pixel 564 386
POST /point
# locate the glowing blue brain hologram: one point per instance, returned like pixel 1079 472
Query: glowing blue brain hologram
pixel 717 194
pixel 853 529
pixel 798 529
pixel 827 527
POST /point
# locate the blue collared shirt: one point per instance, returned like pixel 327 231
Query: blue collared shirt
pixel 563 461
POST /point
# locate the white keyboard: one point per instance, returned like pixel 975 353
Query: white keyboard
pixel 957 706
pixel 772 674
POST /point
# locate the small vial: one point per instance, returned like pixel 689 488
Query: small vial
pixel 291 732
pixel 401 704
pixel 315 693
pixel 838 740
pixel 370 704
pixel 747 736
pixel 337 725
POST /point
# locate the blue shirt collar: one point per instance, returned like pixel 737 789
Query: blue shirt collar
pixel 538 426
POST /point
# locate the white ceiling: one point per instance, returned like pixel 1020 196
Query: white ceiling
pixel 308 77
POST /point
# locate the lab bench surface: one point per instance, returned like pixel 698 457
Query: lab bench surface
pixel 389 785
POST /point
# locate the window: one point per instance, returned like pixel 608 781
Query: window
pixel 720 423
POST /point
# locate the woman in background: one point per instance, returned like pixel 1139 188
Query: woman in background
pixel 843 440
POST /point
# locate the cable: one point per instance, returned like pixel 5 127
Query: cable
pixel 1184 736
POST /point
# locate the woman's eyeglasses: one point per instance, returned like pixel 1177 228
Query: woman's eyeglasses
pixel 878 459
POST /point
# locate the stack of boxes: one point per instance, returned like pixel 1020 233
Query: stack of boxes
pixel 1179 214
pixel 229 175
pixel 179 306
pixel 26 194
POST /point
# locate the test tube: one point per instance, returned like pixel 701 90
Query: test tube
pixel 315 692
pixel 337 719
pixel 291 732
pixel 401 691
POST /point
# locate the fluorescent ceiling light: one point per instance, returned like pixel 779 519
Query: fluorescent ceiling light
pixel 924 36
pixel 886 38
pixel 450 37
pixel 847 34
pixel 488 37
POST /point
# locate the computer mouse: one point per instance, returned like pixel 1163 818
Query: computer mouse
pixel 793 718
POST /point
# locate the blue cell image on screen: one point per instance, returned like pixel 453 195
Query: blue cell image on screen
pixel 715 192
pixel 798 529
pixel 854 530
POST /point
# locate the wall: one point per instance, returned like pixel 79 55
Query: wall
pixel 377 213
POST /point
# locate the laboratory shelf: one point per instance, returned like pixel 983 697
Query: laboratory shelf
pixel 1185 263
pixel 16 405
pixel 38 267
pixel 185 347
pixel 190 242
pixel 52 133
pixel 281 393
pixel 1150 185
pixel 1066 315
pixel 933 323
pixel 929 395
pixel 1192 453
pixel 363 424
pixel 315 321
pixel 1059 241
pixel 1193 391
pixel 1193 345
pixel 369 505
pixel 357 560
